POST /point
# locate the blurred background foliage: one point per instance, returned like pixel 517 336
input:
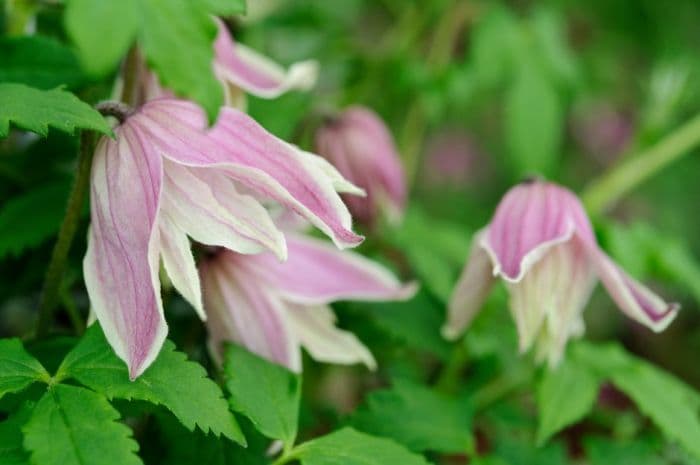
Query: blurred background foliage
pixel 478 94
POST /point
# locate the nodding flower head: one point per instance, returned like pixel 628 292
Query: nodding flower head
pixel 540 242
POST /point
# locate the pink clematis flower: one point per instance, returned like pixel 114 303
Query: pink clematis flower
pixel 165 177
pixel 540 242
pixel 359 144
pixel 274 308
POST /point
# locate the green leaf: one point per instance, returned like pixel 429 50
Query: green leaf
pixel 18 369
pixel 35 110
pixel 549 27
pixel 493 46
pixel 671 404
pixel 39 62
pixel 102 31
pixel 29 219
pixel 417 417
pixel 179 385
pixel 533 122
pixel 564 396
pixel 177 39
pixel 603 451
pixel 225 7
pixel 74 426
pixel 11 449
pixel 266 393
pixel 350 447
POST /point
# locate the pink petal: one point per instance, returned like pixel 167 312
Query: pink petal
pixel 179 263
pixel 318 273
pixel 470 292
pixel 547 303
pixel 242 310
pixel 208 208
pixel 239 147
pixel 121 264
pixel 315 328
pixel 256 74
pixel 531 218
pixel 634 299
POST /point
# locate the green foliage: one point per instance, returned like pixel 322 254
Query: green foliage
pixel 74 426
pixel 35 110
pixel 602 451
pixel 172 381
pixel 18 369
pixel 564 396
pixel 266 393
pixel 671 404
pixel 29 219
pixel 350 447
pixel 11 449
pixel 225 7
pixel 417 417
pixel 39 62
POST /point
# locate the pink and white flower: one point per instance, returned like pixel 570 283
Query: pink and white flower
pixel 165 177
pixel 274 308
pixel 359 144
pixel 541 243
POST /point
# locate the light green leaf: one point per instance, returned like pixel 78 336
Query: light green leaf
pixel 417 417
pixel 74 426
pixel 18 369
pixel 549 28
pixel 102 31
pixel 533 122
pixel 35 110
pixel 177 39
pixel 11 449
pixel 179 385
pixel 350 447
pixel 225 7
pixel 564 396
pixel 39 62
pixel 266 393
pixel 671 404
pixel 493 46
pixel 29 219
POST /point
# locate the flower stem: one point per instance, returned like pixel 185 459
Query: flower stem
pixel 448 380
pixel 54 273
pixel 609 188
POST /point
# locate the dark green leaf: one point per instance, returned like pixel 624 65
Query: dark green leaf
pixel 18 369
pixel 603 451
pixel 350 447
pixel 178 41
pixel 266 393
pixel 35 110
pixel 564 396
pixel 39 62
pixel 29 219
pixel 418 418
pixel 74 426
pixel 11 449
pixel 172 381
pixel 533 122
pixel 102 31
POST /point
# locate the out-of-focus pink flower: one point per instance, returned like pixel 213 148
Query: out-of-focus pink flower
pixel 359 144
pixel 274 308
pixel 602 131
pixel 453 159
pixel 166 176
pixel 540 242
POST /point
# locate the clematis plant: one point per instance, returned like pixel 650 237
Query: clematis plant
pixel 166 176
pixel 541 243
pixel 274 308
pixel 360 145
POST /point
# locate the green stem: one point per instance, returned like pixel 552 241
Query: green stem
pixel 608 189
pixel 54 273
pixel 448 380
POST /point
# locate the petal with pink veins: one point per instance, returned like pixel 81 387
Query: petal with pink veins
pixel 315 327
pixel 122 260
pixel 318 273
pixel 256 74
pixel 247 153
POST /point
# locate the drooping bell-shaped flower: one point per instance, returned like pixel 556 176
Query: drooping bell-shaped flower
pixel 540 242
pixel 165 177
pixel 274 308
pixel 359 144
